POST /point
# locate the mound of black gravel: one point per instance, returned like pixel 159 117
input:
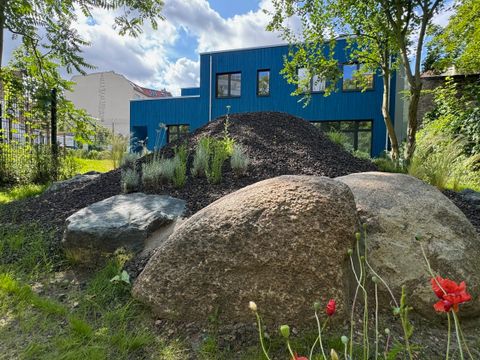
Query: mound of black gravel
pixel 277 144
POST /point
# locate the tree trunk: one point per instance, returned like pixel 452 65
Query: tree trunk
pixel 2 25
pixel 386 115
pixel 415 93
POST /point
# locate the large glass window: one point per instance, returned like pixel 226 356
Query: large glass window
pixel 354 79
pixel 355 135
pixel 229 85
pixel 263 82
pixel 316 83
pixel 175 132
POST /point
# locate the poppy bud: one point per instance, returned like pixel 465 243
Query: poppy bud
pixel 350 252
pixel 252 306
pixel 316 305
pixel 375 279
pixel 387 331
pixel 331 307
pixel 358 236
pixel 285 331
pixel 344 340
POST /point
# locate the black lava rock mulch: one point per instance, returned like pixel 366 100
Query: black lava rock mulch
pixel 469 205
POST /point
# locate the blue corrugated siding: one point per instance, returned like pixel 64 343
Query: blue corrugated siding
pixel 339 105
pixel 194 91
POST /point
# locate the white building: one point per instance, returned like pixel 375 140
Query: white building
pixel 106 96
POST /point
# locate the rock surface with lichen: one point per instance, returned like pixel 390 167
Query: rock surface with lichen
pixel 280 242
pixel 397 208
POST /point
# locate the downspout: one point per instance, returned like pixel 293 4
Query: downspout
pixel 210 93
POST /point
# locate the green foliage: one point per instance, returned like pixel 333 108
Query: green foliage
pixel 341 139
pixel 180 160
pixel 458 43
pixel 119 148
pixel 219 153
pixel 20 192
pixel 129 159
pixel 388 165
pixel 201 159
pixel 239 161
pixel 157 172
pixel 130 180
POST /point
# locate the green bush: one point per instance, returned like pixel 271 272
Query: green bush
pixel 166 171
pixel 341 139
pixel 180 170
pixel 129 159
pixel 239 160
pixel 130 180
pixel 386 164
pixel 218 154
pixel 201 159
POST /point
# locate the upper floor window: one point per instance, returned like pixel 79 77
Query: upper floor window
pixel 229 85
pixel 175 132
pixel 263 82
pixel 354 79
pixel 315 84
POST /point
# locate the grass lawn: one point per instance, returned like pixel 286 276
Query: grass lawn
pixel 86 165
pixel 20 192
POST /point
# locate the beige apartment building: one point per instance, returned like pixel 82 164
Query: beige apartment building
pixel 106 96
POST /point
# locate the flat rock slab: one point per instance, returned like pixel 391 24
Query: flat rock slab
pixel 121 221
pixel 76 180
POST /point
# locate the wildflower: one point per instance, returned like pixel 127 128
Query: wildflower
pixel 331 307
pixel 252 306
pixel 296 357
pixel 450 294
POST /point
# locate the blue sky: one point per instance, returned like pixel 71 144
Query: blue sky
pixel 169 57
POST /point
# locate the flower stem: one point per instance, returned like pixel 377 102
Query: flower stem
pixel 320 334
pixel 260 332
pixel 449 335
pixel 464 341
pixel 290 350
pixel 352 320
pixel 457 332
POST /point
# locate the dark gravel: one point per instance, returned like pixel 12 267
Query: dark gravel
pixel 469 207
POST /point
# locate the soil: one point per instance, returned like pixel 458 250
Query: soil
pixel 468 207
pixel 276 143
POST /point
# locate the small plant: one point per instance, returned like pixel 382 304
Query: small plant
pixel 340 138
pixel 239 160
pixel 130 180
pixel 201 159
pixel 219 153
pixel 129 159
pixel 180 162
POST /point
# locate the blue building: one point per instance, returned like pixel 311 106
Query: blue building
pixel 250 80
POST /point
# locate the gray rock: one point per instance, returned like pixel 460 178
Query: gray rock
pixel 76 180
pixel 281 242
pixel 398 207
pixel 122 221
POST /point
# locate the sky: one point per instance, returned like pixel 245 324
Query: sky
pixel 169 57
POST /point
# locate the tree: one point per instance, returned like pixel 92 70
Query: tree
pixel 55 18
pixel 458 43
pixel 381 29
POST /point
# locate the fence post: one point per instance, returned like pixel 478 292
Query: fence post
pixel 53 133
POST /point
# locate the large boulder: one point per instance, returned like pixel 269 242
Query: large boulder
pixel 280 242
pixel 121 221
pixel 396 209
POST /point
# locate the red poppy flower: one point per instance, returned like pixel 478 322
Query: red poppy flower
pixel 331 307
pixel 296 357
pixel 450 294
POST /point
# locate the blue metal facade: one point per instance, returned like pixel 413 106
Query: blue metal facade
pixel 197 106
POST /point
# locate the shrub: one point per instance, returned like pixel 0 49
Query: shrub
pixel 129 159
pixel 239 160
pixel 202 157
pixel 180 166
pixel 218 155
pixel 130 180
pixel 340 138
pixel 386 164
pixel 151 174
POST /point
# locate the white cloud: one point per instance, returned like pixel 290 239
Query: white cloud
pixel 181 74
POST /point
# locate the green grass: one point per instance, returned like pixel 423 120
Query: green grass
pixel 86 165
pixel 20 192
pixel 98 320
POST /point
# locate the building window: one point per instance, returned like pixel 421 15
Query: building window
pixel 175 132
pixel 355 81
pixel 315 85
pixel 263 82
pixel 356 135
pixel 229 85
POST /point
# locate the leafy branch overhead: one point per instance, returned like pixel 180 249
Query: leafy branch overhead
pixel 47 27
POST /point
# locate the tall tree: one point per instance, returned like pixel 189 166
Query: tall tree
pixel 47 26
pixel 377 31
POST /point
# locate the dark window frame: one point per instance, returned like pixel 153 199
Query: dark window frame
pixel 229 96
pixel 355 131
pixel 311 91
pixel 357 88
pixel 178 132
pixel 258 82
